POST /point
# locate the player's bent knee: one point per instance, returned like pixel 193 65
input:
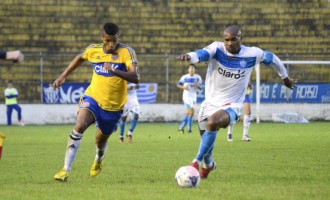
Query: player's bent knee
pixel 81 127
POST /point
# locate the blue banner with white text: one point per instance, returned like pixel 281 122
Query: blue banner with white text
pixel 278 93
pixel 304 93
pixel 70 93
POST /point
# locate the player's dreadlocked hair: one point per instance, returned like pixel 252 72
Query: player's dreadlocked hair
pixel 111 29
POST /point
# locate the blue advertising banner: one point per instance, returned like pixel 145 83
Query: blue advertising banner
pixel 304 93
pixel 71 92
pixel 278 93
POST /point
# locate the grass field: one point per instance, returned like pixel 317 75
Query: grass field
pixel 283 161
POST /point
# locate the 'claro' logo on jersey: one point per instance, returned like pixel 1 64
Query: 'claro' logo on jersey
pixel 101 69
pixel 226 73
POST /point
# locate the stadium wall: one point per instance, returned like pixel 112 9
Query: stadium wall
pixel 40 114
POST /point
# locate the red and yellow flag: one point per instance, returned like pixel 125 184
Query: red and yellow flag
pixel 2 139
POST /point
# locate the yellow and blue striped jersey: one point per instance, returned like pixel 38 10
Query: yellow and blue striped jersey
pixel 107 89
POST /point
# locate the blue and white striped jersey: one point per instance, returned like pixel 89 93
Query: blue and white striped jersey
pixel 228 74
pixel 187 80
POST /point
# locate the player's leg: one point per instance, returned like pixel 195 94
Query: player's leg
pixel 133 125
pixel 219 119
pixel 190 118
pixel 247 121
pixel 230 133
pixel 211 124
pixel 122 128
pixel 107 123
pixel 101 147
pixel 185 118
pixel 183 122
pixel 9 112
pixel 84 119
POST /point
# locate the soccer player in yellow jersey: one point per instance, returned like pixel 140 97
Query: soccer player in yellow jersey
pixel 247 117
pixel 114 64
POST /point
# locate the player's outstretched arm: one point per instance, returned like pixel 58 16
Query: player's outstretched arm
pixel 16 56
pixel 75 63
pixel 274 62
pixel 132 75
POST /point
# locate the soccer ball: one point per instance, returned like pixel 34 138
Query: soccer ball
pixel 187 177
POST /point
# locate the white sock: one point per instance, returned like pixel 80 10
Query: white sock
pixel 208 165
pixel 100 153
pixel 129 133
pixel 230 129
pixel 72 148
pixel 199 162
pixel 247 121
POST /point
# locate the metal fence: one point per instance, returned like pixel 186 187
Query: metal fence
pixel 163 69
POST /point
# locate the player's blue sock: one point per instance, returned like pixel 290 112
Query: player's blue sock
pixel 206 144
pixel 190 121
pixel 133 125
pixel 184 122
pixel 208 156
pixel 122 128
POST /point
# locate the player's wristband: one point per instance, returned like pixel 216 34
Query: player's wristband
pixel 3 54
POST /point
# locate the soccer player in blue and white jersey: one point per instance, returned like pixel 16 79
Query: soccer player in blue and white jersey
pixel 229 68
pixel 113 65
pixel 189 83
pixel 132 105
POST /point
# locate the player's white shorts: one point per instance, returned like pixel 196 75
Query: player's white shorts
pixel 189 102
pixel 131 106
pixel 206 110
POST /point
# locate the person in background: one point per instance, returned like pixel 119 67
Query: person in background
pixel 132 105
pixel 11 95
pixel 189 83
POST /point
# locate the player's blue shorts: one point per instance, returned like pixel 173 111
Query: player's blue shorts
pixel 247 98
pixel 106 121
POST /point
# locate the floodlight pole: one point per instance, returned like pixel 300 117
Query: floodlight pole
pixel 167 79
pixel 41 77
pixel 258 93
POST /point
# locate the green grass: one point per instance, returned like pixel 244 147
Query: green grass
pixel 283 161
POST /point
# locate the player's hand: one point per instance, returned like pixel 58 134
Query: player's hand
pixel 184 57
pixel 290 83
pixel 58 82
pixel 109 67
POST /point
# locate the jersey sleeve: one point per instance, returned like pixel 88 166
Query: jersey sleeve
pixel 86 54
pixel 181 81
pixel 130 57
pixel 205 54
pixel 272 61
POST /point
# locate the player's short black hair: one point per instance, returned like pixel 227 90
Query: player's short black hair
pixel 111 29
pixel 192 65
